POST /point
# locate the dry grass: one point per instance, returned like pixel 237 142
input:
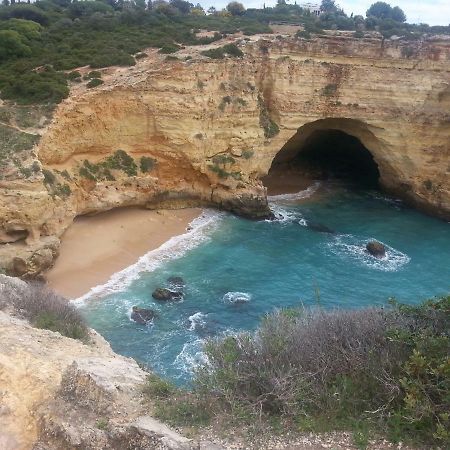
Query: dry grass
pixel 48 310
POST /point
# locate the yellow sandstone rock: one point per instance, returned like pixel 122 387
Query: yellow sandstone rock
pixel 204 132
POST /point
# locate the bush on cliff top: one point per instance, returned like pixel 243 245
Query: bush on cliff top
pixel 48 310
pixel 386 371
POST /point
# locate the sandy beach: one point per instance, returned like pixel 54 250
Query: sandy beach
pixel 95 247
pixel 289 182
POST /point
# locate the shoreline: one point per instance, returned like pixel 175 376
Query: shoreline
pixel 95 247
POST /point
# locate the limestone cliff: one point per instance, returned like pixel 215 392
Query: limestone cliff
pixel 196 131
pixel 57 393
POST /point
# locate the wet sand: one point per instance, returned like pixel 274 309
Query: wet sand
pixel 287 182
pixel 95 247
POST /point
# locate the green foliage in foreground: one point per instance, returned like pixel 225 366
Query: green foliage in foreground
pixel 47 310
pixel 375 372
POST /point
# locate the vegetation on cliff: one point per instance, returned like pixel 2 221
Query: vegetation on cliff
pixel 40 42
pixel 373 371
pixel 45 309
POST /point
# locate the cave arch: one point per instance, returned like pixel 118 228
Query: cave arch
pixel 331 147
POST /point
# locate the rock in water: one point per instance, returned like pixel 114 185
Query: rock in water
pixel 164 294
pixel 319 228
pixel 176 282
pixel 142 315
pixel 376 249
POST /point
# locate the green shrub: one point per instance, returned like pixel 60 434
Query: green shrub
pixel 266 122
pixel 225 101
pixel 147 164
pixel 392 373
pixel 121 160
pixel 94 83
pixel 47 310
pixel 329 89
pixel 101 424
pixel 94 74
pixel 184 410
pixel 247 154
pixel 49 176
pixel 86 173
pixel 220 52
pixel 73 75
pixel 221 173
pixel 169 48
pixel 35 87
pixel 214 53
pixel 157 388
pixel 303 34
pixel 141 55
pixel 223 159
pixel 233 50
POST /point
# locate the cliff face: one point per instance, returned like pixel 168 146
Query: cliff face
pixel 58 393
pixel 202 131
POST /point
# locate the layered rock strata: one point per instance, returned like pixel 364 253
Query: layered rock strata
pixel 196 131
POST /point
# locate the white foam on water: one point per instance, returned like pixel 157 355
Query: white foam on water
pixel 237 297
pixel 355 248
pixel 284 215
pixel 197 319
pixel 296 195
pixel 282 212
pixel 191 357
pixel 198 232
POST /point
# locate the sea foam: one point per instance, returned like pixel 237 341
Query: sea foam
pixel 350 246
pixel 199 231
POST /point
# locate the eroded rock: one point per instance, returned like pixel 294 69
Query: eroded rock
pixel 142 315
pixel 163 294
pixel 376 249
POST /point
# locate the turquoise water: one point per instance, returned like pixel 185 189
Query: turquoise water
pixel 266 265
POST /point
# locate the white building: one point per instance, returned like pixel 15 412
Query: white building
pixel 313 8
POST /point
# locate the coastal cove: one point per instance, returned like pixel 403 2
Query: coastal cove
pixel 236 271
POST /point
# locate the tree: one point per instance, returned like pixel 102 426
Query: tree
pixel 235 8
pixel 398 15
pixel 182 6
pixel 328 6
pixel 12 45
pixel 381 10
pixel 212 10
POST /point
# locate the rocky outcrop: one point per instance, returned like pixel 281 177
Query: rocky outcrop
pixel 204 132
pixel 142 315
pixel 58 393
pixel 376 249
pixel 163 294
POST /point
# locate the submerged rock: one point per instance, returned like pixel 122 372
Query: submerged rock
pixel 319 228
pixel 142 315
pixel 164 294
pixel 237 298
pixel 177 282
pixel 376 249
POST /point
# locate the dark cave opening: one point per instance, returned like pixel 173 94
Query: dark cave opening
pixel 325 154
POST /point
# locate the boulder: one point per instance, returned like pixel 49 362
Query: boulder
pixel 142 315
pixel 164 294
pixel 319 228
pixel 376 249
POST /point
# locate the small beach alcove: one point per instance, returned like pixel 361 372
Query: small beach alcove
pixel 328 149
